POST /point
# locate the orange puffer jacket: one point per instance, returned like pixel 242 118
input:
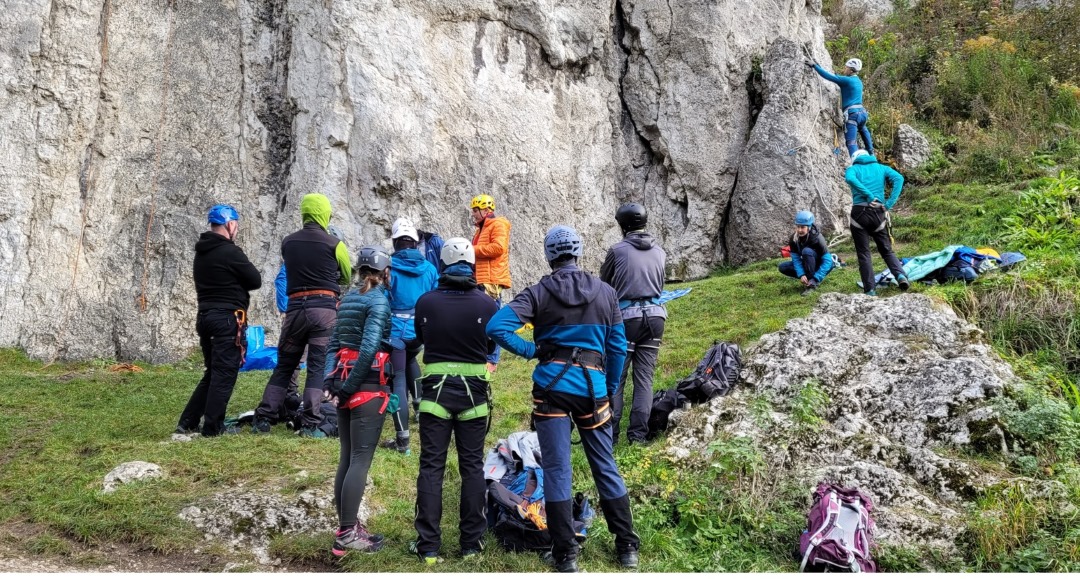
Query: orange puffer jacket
pixel 492 246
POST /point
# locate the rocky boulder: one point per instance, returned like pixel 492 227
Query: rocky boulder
pixel 245 519
pixel 130 472
pixel 874 393
pixel 910 147
pixel 126 121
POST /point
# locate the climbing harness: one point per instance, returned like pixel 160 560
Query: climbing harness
pixel 463 371
pixel 586 360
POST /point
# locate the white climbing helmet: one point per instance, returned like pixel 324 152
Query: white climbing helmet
pixel 403 227
pixel 854 64
pixel 457 249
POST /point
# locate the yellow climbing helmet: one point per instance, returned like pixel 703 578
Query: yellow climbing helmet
pixel 483 202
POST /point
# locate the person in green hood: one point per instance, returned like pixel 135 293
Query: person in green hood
pixel 870 215
pixel 317 265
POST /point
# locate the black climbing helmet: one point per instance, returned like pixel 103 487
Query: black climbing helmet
pixel 374 258
pixel 631 216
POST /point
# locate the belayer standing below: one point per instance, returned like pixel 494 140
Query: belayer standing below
pixel 223 277
pixel 411 276
pixel 356 377
pixel 811 260
pixel 870 216
pixel 491 242
pixel 634 267
pixel 851 93
pixel 316 267
pixel 580 348
pixel 456 399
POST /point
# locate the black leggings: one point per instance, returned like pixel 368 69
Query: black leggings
pixel 359 431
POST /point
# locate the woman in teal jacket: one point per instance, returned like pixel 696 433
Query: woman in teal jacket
pixel 411 277
pixel 356 378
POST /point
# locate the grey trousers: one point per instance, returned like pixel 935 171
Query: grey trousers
pixel 643 336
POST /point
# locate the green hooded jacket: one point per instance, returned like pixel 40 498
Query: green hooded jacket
pixel 315 208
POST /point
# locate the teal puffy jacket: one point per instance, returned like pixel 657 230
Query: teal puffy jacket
pixel 867 178
pixel 363 322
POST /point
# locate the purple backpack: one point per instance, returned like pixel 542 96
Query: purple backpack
pixel 839 531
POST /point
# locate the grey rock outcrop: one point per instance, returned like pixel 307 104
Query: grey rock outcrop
pixel 869 10
pixel 905 379
pixel 130 472
pixel 244 519
pixel 910 148
pixel 125 121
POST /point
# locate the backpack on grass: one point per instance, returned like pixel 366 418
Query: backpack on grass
pixel 839 531
pixel 716 375
pixel 664 403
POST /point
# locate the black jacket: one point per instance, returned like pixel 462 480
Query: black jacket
pixel 813 240
pixel 450 322
pixel 223 274
pixel 311 263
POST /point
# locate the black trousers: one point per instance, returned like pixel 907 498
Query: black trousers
pixel 872 222
pixel 643 347
pixel 468 436
pixel 358 430
pixel 221 357
pixel 308 327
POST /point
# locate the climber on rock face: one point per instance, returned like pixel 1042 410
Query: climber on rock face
pixel 811 260
pixel 851 93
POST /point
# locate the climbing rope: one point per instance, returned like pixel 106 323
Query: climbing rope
pixel 166 66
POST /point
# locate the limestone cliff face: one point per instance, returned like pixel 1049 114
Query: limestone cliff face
pixel 125 120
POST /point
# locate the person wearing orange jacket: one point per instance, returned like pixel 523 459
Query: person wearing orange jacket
pixel 491 242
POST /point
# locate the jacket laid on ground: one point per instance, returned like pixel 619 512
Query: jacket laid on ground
pixel 363 322
pixel 451 321
pixel 223 274
pixel 634 267
pixel 569 308
pixel 314 259
pixel 816 241
pixel 867 178
pixel 491 242
pixel 411 276
pixel 850 86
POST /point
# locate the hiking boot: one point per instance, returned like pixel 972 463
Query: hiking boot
pixel 351 540
pixel 398 443
pixel 311 433
pixel 810 288
pixel 430 558
pixel 567 565
pixel 871 293
pixel 260 426
pixel 368 535
pixel 470 553
pixel 629 558
pixel 903 283
pixel 185 430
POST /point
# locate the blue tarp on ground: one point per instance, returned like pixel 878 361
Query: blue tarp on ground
pixel 259 355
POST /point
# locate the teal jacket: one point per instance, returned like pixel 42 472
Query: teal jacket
pixel 867 178
pixel 363 322
pixel 850 86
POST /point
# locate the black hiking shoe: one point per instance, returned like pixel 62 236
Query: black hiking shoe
pixel 185 430
pixel 629 558
pixel 260 426
pixel 567 565
pixel 902 281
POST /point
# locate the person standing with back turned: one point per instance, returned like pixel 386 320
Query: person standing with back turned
pixel 634 267
pixel 870 216
pixel 316 267
pixel 223 277
pixel 580 347
pixel 491 242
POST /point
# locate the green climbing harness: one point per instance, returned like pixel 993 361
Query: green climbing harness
pixel 463 371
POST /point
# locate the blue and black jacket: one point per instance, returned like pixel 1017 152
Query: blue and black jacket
pixel 814 241
pixel 411 276
pixel 568 309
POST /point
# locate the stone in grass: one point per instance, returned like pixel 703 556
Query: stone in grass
pixel 130 472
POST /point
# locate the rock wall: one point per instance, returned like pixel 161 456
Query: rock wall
pixel 126 119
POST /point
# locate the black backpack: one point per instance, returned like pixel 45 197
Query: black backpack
pixel 716 375
pixel 663 403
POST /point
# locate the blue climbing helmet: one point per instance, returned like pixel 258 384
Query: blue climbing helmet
pixel 804 218
pixel 560 241
pixel 222 214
